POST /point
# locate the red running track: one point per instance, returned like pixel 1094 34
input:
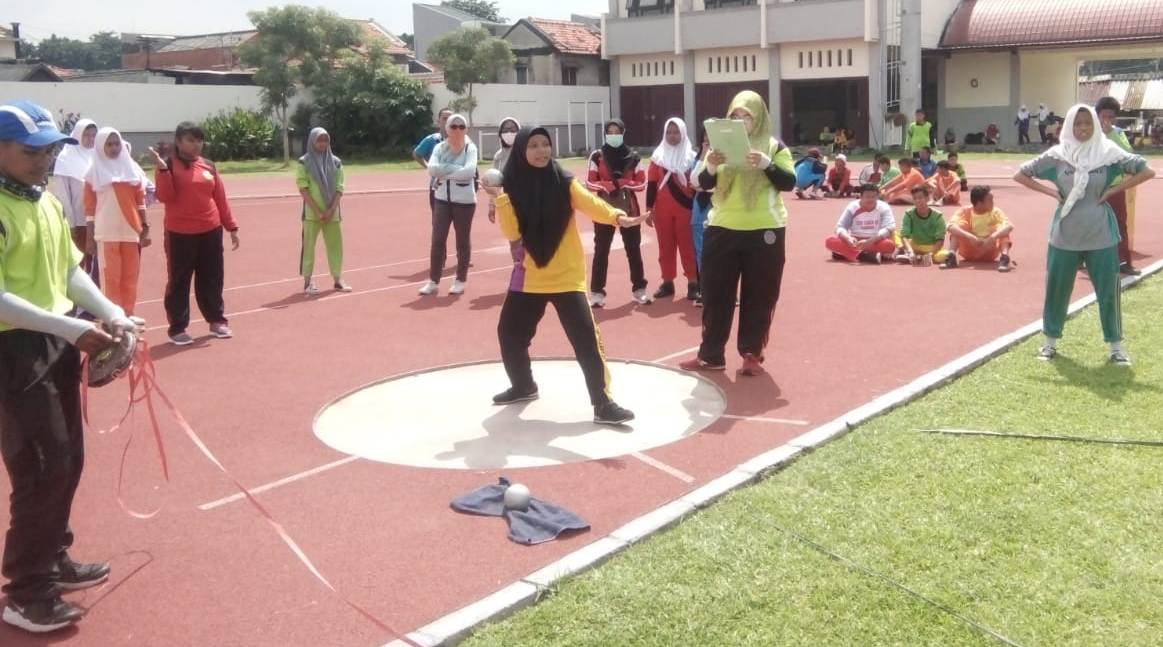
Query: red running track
pixel 384 534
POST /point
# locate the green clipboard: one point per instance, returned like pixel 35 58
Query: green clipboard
pixel 729 137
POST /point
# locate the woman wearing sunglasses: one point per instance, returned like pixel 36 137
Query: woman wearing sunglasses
pixel 453 168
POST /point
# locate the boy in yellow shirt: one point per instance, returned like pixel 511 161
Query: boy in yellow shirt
pixel 980 232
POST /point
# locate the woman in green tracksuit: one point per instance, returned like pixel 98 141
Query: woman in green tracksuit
pixel 1083 169
pixel 319 176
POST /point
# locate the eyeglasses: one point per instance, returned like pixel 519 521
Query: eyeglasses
pixel 458 127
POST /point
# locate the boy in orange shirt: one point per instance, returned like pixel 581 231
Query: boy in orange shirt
pixel 980 232
pixel 946 185
pixel 899 189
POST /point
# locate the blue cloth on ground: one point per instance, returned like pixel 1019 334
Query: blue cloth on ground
pixel 540 522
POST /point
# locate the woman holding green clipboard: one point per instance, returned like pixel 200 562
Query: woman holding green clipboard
pixel 743 245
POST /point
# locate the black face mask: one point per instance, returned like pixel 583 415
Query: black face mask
pixel 22 191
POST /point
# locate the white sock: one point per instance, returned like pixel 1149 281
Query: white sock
pixel 1050 342
pixel 1116 346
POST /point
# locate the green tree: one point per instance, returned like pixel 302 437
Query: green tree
pixel 105 50
pixel 101 52
pixel 409 40
pixel 468 56
pixel 295 46
pixel 483 9
pixel 369 106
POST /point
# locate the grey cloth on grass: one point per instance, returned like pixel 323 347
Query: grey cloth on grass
pixel 540 522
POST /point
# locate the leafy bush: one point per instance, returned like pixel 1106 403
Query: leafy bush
pixel 369 106
pixel 240 134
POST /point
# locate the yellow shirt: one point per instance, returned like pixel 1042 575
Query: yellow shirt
pixel 36 252
pixel 981 224
pixel 566 271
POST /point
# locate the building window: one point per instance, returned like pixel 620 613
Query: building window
pixel 716 4
pixel 568 75
pixel 672 68
pixel 753 65
pixel 801 60
pixel 647 7
pixel 811 59
pixel 719 64
pixel 655 68
pixel 522 75
pixel 710 65
pixel 849 57
pixel 829 58
pixel 744 63
pixel 736 64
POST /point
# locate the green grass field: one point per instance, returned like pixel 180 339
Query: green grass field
pixel 1043 542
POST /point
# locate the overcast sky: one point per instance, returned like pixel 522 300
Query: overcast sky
pixel 79 18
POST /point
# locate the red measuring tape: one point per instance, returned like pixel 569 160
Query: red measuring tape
pixel 142 387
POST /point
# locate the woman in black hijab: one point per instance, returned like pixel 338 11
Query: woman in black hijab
pixel 535 213
pixel 614 174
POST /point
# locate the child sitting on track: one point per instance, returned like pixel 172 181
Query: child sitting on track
pixel 980 232
pixel 946 186
pixel 810 171
pixel 865 229
pixel 958 169
pixel 922 229
pixel 898 190
pixel 840 178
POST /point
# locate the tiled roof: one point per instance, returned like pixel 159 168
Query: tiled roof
pixel 1009 23
pixel 569 37
pixel 372 32
pixel 208 41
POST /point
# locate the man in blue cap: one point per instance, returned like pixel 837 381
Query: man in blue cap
pixel 40 346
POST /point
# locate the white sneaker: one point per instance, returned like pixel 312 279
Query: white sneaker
pixel 597 299
pixel 641 298
pixel 457 287
pixel 429 288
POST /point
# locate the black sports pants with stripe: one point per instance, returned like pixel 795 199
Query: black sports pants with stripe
pixel 520 315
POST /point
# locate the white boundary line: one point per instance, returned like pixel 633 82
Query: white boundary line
pixel 663 467
pixel 458 625
pixel 281 482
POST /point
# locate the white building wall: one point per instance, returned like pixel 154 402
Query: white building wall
pixel 834 59
pixel 977 80
pixel 731 65
pixel 651 69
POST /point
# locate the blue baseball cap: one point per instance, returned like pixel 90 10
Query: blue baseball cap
pixel 31 125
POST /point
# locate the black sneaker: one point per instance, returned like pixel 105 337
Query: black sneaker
pixel 1003 263
pixel 692 291
pixel 950 262
pixel 1046 353
pixel 1120 358
pixel 612 414
pixel 513 394
pixel 42 616
pixel 664 290
pixel 73 576
pixel 1129 270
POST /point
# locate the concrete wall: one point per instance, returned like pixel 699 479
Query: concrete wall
pixel 428 25
pixel 977 80
pixel 824 59
pixel 531 104
pixel 656 69
pixel 935 15
pixel 7 49
pixel 144 112
pixel 217 58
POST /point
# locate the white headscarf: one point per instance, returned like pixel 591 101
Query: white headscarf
pixel 1023 113
pixel 1043 112
pixel 321 166
pixel 449 156
pixel 1096 152
pixel 75 160
pixel 675 158
pixel 106 171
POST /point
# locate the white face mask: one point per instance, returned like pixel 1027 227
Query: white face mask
pixel 508 138
pixel 615 141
